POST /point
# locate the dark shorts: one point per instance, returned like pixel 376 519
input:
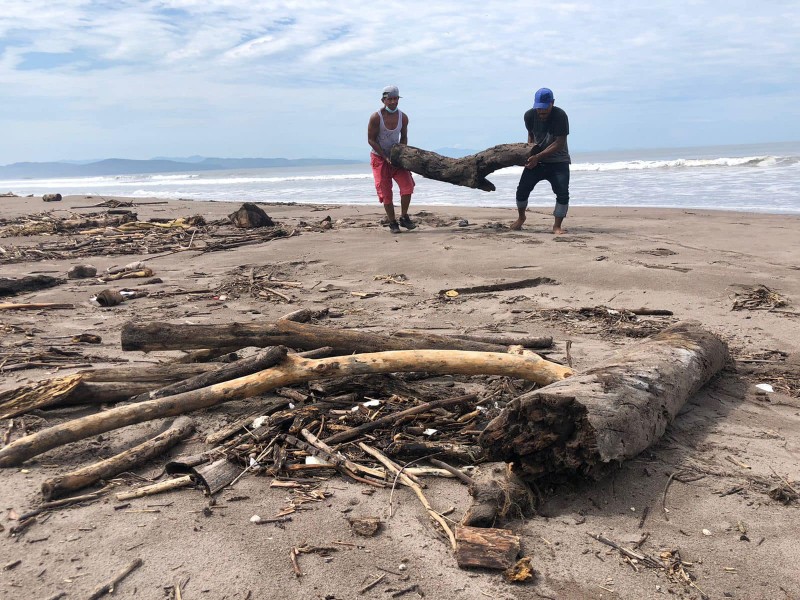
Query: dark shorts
pixel 557 174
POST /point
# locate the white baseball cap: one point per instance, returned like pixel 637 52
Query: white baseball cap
pixel 391 91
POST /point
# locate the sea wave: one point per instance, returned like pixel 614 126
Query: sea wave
pixel 639 165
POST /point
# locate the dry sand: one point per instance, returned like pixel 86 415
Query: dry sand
pixel 691 262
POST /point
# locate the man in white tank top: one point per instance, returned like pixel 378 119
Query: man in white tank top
pixel 388 127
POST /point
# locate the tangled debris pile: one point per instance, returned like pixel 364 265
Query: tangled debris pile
pixel 759 297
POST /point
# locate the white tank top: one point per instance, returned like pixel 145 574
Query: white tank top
pixel 389 137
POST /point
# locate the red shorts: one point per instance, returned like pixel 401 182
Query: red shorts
pixel 383 172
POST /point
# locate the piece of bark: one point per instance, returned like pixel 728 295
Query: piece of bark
pixel 469 171
pixel 499 287
pixel 610 412
pixel 217 475
pixel 82 272
pixel 497 493
pixel 350 434
pixel 37 395
pixel 30 283
pixel 125 461
pixel 305 336
pixel 365 526
pixel 293 370
pixel 486 547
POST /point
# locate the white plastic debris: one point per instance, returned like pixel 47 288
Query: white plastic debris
pixel 313 460
pixel 255 519
pixel 402 567
pixel 259 422
pixel 765 386
pixel 253 462
pixel 371 403
pixel 291 406
pixel 706 532
pixel 430 431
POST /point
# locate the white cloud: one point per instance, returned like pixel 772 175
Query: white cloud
pixel 264 77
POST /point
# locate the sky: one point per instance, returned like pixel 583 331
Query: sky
pixel 250 78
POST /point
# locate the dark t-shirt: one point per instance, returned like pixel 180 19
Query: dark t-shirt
pixel 545 132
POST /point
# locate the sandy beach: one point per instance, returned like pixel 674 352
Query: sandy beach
pixel 730 437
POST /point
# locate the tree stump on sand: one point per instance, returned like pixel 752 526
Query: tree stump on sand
pixel 250 216
pixel 610 412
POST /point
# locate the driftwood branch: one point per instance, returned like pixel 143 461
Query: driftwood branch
pixel 390 466
pixel 293 370
pixel 609 413
pixel 75 480
pixel 469 171
pixel 304 336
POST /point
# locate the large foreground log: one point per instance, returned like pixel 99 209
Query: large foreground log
pixel 609 413
pixel 470 171
pixel 293 370
pixel 166 336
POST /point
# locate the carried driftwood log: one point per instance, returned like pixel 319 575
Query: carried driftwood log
pixel 125 461
pixel 470 171
pixel 294 369
pixel 166 336
pixel 486 547
pixel 610 412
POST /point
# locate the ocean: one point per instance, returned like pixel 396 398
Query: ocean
pixel 755 178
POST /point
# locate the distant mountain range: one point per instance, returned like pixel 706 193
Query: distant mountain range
pixel 164 164
pixel 122 166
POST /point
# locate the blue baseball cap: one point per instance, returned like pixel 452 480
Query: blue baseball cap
pixel 543 99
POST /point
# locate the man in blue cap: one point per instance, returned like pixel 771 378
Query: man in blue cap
pixel 548 128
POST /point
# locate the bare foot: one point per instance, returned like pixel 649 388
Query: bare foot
pixel 559 231
pixel 517 225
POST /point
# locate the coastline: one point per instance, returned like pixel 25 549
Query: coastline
pixel 692 262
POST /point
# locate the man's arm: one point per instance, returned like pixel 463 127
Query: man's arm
pixel 557 145
pixel 372 135
pixel 404 131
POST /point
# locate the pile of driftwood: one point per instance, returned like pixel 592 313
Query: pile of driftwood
pixel 331 406
pixel 759 297
pixel 610 321
pixel 118 231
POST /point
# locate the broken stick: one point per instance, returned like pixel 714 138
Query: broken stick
pixel 108 586
pixel 390 466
